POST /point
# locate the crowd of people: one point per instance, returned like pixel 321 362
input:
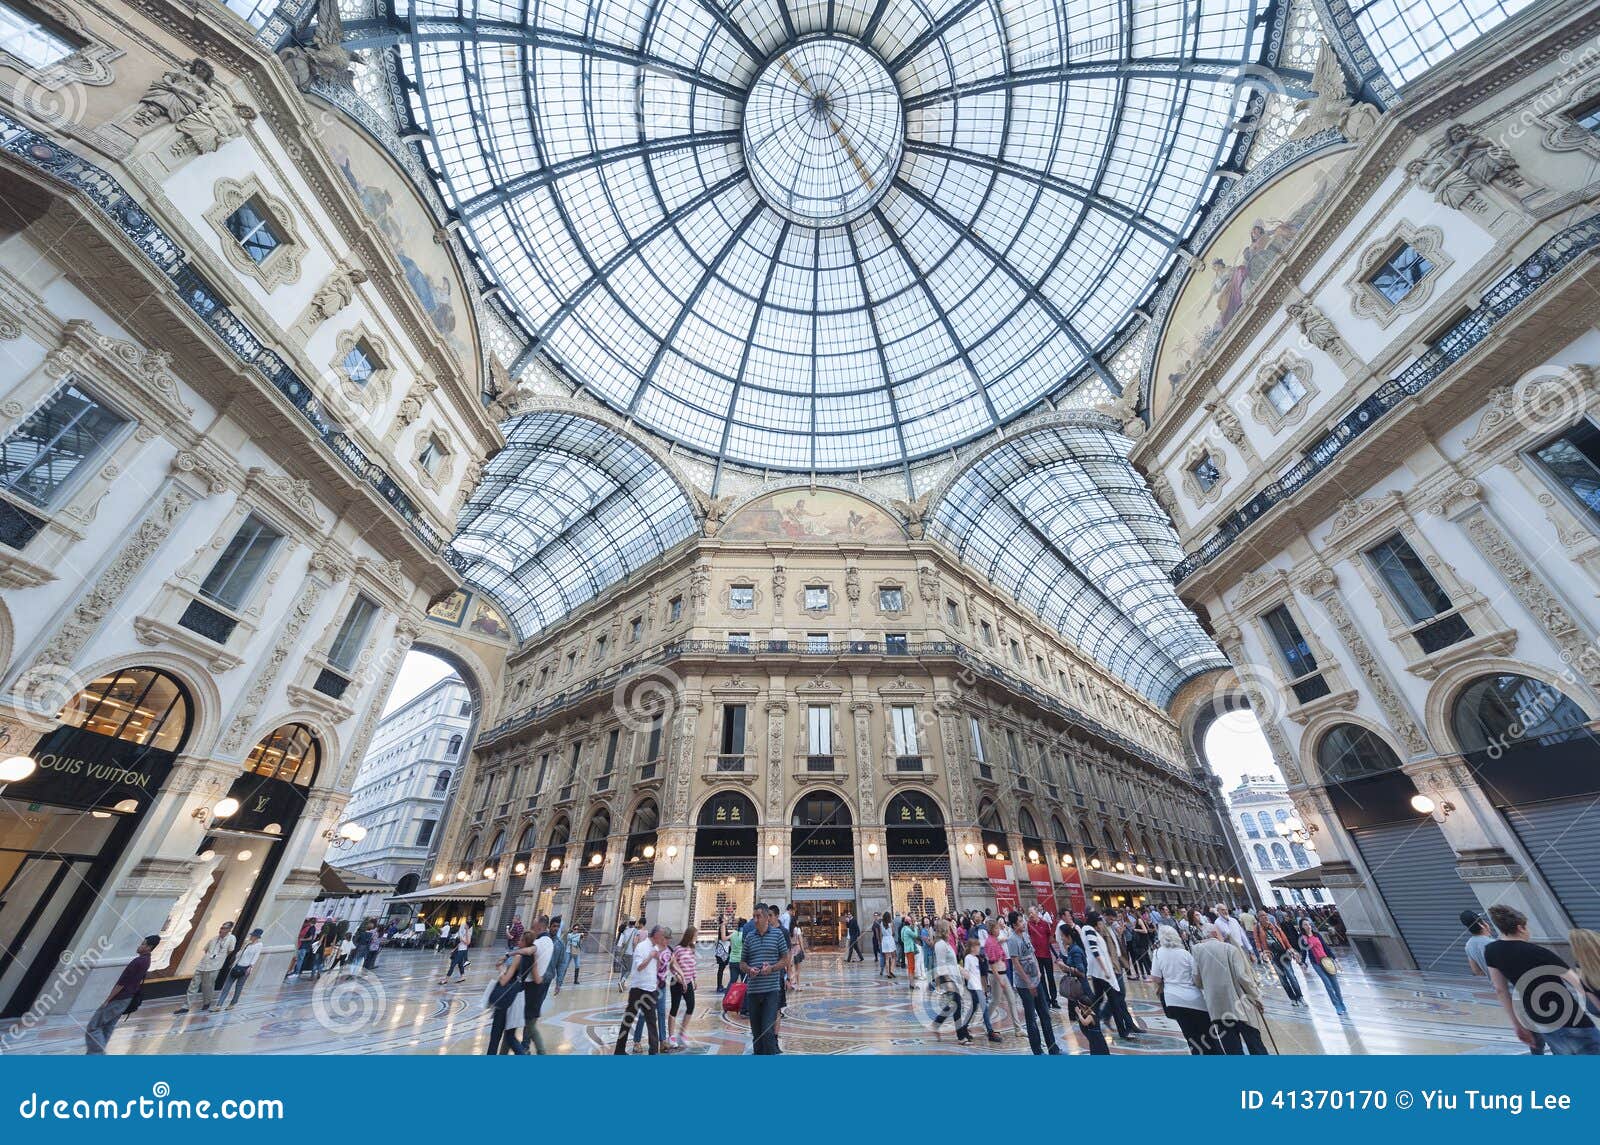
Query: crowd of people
pixel 1209 971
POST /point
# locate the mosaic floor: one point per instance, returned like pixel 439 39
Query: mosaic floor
pixel 840 1009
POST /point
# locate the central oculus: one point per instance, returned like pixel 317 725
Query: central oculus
pixel 823 131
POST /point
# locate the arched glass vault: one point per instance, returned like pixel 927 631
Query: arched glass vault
pixel 1059 518
pixel 568 508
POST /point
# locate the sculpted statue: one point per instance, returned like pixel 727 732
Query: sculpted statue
pixel 713 510
pixel 324 57
pixel 1314 324
pixel 202 109
pixel 915 512
pixel 1460 165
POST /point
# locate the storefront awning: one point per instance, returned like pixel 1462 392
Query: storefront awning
pixel 477 891
pixel 1113 881
pixel 1304 880
pixel 342 882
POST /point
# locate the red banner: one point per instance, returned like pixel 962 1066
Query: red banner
pixel 1043 893
pixel 1074 884
pixel 1004 886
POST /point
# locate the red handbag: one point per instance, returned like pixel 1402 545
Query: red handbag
pixel 733 1000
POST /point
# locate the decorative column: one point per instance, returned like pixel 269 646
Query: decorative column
pixel 777 714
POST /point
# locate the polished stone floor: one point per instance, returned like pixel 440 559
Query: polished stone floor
pixel 839 1009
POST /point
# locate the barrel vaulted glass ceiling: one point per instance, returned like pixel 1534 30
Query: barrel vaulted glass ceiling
pixel 567 509
pixel 1059 518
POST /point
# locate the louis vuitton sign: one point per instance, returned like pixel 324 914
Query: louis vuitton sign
pixel 80 768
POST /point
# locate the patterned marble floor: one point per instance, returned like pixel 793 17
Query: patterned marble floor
pixel 401 1009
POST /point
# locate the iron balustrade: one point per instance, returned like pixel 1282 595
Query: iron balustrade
pixel 1504 297
pixel 162 251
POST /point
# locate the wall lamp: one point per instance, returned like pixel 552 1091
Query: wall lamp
pixel 1422 805
pixel 222 809
pixel 348 834
pixel 872 849
pixel 969 850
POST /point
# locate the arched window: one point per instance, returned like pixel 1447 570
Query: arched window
pixel 1350 751
pixel 1281 815
pixel 1260 850
pixel 909 809
pixel 821 809
pixel 1266 824
pixel 727 809
pixel 470 852
pixel 525 840
pixel 453 747
pixel 140 705
pixel 1248 822
pixel 645 818
pixel 1510 711
pixel 1301 859
pixel 1058 830
pixel 497 848
pixel 599 827
pixel 289 752
pixel 989 816
pixel 560 832
pixel 1280 856
pixel 441 782
pixel 1026 825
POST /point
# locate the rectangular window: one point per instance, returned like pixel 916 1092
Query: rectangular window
pixel 738 642
pixel 652 751
pixel 611 751
pixel 816 642
pixel 241 563
pixel 1573 459
pixel 1588 117
pixel 251 227
pixel 817 597
pixel 894 643
pixel 952 613
pixel 431 457
pixel 425 831
pixel 819 729
pixel 675 610
pixel 1399 274
pixel 904 723
pixel 1286 391
pixel 572 662
pixel 741 596
pixel 1292 645
pixel 35 43
pixel 986 632
pixel 1418 594
pixel 1016 652
pixel 733 731
pixel 891 599
pixel 1206 473
pixel 599 648
pixel 352 634
pixel 69 430
pixel 1039 666
pixel 978 757
pixel 635 629
pixel 360 363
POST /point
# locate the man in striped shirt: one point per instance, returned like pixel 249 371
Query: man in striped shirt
pixel 764 962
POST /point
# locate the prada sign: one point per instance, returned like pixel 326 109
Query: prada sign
pixel 726 842
pixel 924 840
pixel 821 841
pixel 80 768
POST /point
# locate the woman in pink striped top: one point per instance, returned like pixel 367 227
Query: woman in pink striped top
pixel 681 972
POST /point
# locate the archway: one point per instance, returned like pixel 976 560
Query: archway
pixel 1035 861
pixel 1533 753
pixel 596 840
pixel 551 867
pixel 64 828
pixel 725 841
pixel 639 859
pixel 822 866
pixel 1407 855
pixel 919 856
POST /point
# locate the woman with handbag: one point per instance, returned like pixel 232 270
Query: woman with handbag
pixel 1172 971
pixel 1075 975
pixel 504 996
pixel 1323 964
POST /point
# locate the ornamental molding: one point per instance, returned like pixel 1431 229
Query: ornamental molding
pixel 289 497
pixel 1354 519
pixel 1535 407
pixel 282 264
pixel 1197 452
pixel 153 633
pixel 1267 376
pixel 1365 299
pixel 1379 685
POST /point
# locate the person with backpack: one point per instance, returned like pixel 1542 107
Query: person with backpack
pixel 123 1000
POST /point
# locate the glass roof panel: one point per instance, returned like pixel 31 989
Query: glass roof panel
pixel 824 235
pixel 567 509
pixel 1060 519
pixel 1410 36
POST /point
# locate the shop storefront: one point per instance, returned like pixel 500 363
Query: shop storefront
pixel 593 857
pixel 822 868
pixel 724 861
pixel 552 868
pixel 64 827
pixel 919 857
pixel 639 863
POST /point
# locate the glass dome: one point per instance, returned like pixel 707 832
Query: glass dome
pixel 830 234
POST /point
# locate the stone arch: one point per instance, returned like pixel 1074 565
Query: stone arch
pixel 327 741
pixel 631 816
pixel 844 803
pixel 933 801
pixel 1440 704
pixel 717 793
pixel 814 484
pixel 1318 729
pixel 205 700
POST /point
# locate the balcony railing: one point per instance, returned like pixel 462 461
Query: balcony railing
pixel 908 763
pixel 819 763
pixel 1498 303
pixel 730 763
pixel 152 241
